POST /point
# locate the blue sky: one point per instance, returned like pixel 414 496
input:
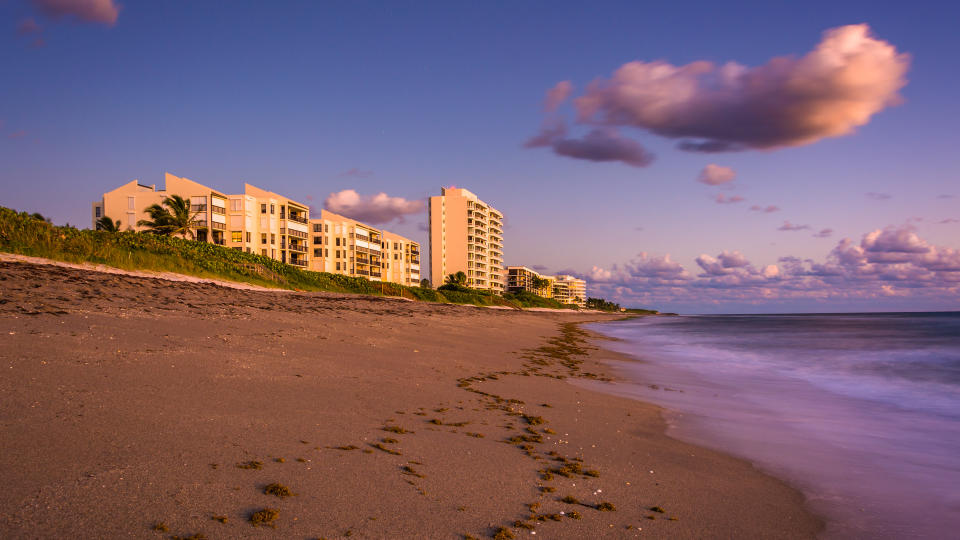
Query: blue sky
pixel 291 95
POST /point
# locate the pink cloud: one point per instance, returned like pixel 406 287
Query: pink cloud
pixel 17 134
pixel 829 92
pixel 601 144
pixel 27 27
pixel 714 175
pixel 373 209
pixel 787 226
pixel 720 198
pixel 769 209
pixel 94 11
pixel 557 95
pixel 947 221
pixel 824 233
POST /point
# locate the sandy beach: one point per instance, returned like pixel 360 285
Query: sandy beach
pixel 137 407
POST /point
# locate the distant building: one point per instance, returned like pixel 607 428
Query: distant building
pixel 562 288
pixel 570 290
pixel 466 235
pixel 342 245
pixel 256 221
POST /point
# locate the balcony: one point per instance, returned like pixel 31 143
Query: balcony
pixel 297 218
pixel 298 262
pixel 198 207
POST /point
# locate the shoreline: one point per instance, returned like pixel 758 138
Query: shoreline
pixel 130 402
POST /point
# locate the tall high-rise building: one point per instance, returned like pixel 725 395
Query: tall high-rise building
pixel 466 235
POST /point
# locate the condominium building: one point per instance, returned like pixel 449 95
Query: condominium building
pixel 342 245
pixel 570 290
pixel 256 221
pixel 562 288
pixel 466 235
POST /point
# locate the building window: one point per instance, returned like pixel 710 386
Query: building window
pixel 236 205
pixel 248 250
pixel 318 227
pixel 263 240
pixel 338 241
pixel 318 253
pixel 131 204
pixel 273 238
pixel 98 211
pixel 273 254
pixel 338 266
pixel 263 252
pixel 395 246
pixel 318 240
pixel 248 237
pixel 326 252
pixel 236 236
pixel 338 253
pixel 263 210
pixel 326 228
pixel 273 209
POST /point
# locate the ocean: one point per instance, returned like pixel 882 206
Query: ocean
pixel 859 411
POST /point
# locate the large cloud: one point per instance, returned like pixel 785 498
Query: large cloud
pixel 714 175
pixel 374 209
pixel 828 92
pixel 600 144
pixel 95 11
pixel 557 95
pixel 888 262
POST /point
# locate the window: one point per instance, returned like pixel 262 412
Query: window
pixel 318 227
pixel 395 245
pixel 236 236
pixel 98 211
pixel 326 228
pixel 248 237
pixel 326 252
pixel 131 219
pixel 236 205
pixel 263 210
pixel 248 250
pixel 396 256
pixel 318 253
pixel 273 209
pixel 338 266
pixel 338 253
pixel 131 204
pixel 263 252
pixel 273 254
pixel 338 242
pixel 317 240
pixel 273 238
pixel 263 240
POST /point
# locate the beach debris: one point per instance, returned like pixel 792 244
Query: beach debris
pixel 503 533
pixel 160 527
pixel 266 517
pixel 221 519
pixel 255 465
pixel 278 490
pixel 382 448
pixel 657 509
pixel 606 507
pixel 396 429
pixel 570 499
pixel 347 447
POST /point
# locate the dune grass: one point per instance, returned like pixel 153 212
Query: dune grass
pixel 26 234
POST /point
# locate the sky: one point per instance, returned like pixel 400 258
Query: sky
pixel 695 157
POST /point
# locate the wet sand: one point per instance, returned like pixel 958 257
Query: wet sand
pixel 128 402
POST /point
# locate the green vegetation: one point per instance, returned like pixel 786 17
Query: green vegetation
pixel 172 217
pixel 33 235
pixel 527 299
pixel 602 305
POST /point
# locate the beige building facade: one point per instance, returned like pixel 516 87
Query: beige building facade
pixel 342 245
pixel 256 221
pixel 466 235
pixel 563 288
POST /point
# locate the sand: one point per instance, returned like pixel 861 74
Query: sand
pixel 129 401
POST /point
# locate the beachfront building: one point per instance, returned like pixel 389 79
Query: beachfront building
pixel 563 288
pixel 257 221
pixel 342 245
pixel 466 235
pixel 570 290
pixel 521 278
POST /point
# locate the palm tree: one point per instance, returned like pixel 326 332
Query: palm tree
pixel 171 217
pixel 457 279
pixel 107 224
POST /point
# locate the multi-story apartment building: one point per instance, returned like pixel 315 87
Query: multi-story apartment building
pixel 570 290
pixel 466 235
pixel 342 245
pixel 562 288
pixel 257 221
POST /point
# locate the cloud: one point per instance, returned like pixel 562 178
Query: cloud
pixel 828 92
pixel 638 228
pixel 714 175
pixel 557 95
pixel 720 198
pixel 601 144
pixel 944 196
pixel 823 233
pixel 373 209
pixel 948 220
pixel 355 173
pixel 17 134
pixel 540 268
pixel 27 27
pixel 889 262
pixel 787 226
pixel 878 196
pixel 94 11
pixel 769 209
